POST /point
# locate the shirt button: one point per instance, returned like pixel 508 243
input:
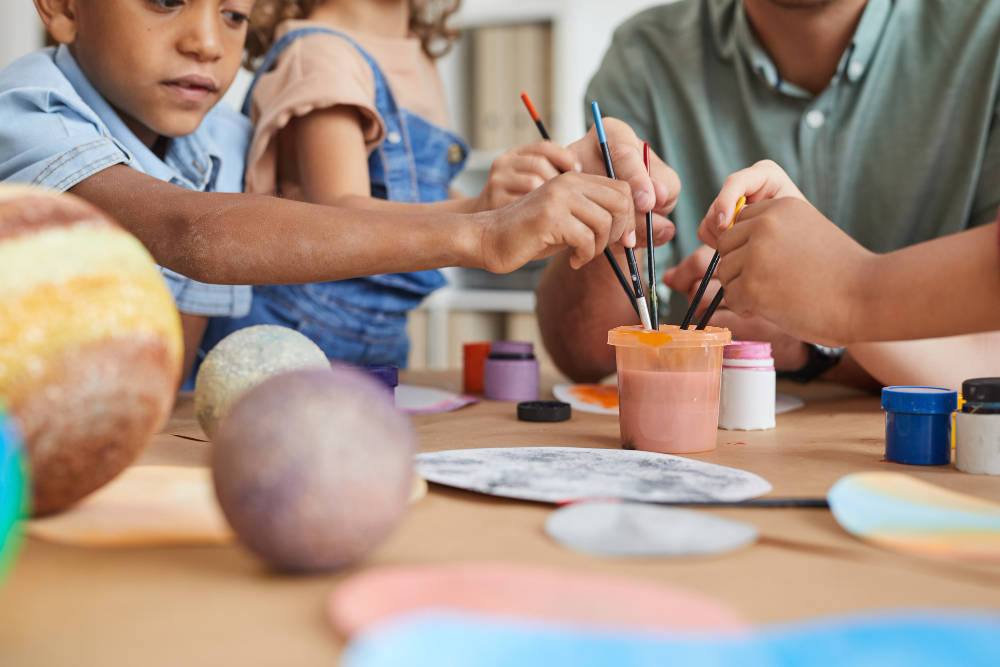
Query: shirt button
pixel 393 137
pixel 455 154
pixel 855 70
pixel 815 119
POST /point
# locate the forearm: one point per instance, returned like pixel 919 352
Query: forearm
pixel 366 203
pixel 944 287
pixel 576 309
pixel 245 239
pixel 939 362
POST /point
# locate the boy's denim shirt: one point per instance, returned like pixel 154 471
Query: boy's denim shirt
pixel 56 130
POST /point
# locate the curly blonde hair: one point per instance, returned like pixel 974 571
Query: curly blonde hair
pixel 428 20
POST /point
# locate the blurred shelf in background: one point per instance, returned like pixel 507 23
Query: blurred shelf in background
pixel 551 49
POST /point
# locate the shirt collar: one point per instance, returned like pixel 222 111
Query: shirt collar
pixel 192 161
pixel 853 64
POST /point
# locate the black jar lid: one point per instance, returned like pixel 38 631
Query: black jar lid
pixel 544 411
pixel 981 390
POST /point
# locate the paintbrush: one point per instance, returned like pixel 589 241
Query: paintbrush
pixel 633 267
pixel 711 310
pixel 650 261
pixel 708 275
pixel 760 503
pixel 607 251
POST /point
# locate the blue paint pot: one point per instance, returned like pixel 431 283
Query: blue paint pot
pixel 918 424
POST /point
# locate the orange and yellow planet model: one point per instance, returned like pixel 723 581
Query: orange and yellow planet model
pixel 90 342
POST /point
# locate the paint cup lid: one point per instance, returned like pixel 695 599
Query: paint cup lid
pixel 747 349
pixel 544 411
pixel 669 335
pixel 981 390
pixel 512 349
pixel 919 400
pixel 387 376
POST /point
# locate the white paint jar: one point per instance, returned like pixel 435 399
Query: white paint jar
pixel 746 402
pixel 977 426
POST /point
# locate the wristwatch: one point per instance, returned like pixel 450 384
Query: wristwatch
pixel 821 359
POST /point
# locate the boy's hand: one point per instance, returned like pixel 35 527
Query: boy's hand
pixel 522 170
pixel 578 211
pixel 787 263
pixel 656 191
pixel 764 180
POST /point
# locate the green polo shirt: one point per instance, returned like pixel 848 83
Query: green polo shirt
pixel 901 147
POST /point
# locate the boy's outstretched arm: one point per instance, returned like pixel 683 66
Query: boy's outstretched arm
pixel 246 239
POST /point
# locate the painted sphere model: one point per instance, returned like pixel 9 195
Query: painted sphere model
pixel 90 342
pixel 13 490
pixel 313 468
pixel 244 359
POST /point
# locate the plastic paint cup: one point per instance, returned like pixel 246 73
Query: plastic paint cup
pixel 918 424
pixel 668 387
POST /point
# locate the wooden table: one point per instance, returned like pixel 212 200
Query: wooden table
pixel 220 606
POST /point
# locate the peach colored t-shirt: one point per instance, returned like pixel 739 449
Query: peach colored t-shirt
pixel 321 71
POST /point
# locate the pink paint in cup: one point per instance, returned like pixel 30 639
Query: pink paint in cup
pixel 668 387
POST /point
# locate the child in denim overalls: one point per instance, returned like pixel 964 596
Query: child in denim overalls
pixel 362 320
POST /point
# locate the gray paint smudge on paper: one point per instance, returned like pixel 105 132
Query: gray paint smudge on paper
pixel 562 474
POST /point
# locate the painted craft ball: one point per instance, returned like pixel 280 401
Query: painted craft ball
pixel 244 359
pixel 313 468
pixel 90 342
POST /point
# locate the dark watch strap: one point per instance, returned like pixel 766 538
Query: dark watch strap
pixel 821 359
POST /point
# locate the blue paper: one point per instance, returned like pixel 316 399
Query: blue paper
pixel 908 639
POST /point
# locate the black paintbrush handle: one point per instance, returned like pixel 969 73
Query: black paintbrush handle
pixel 701 291
pixel 651 271
pixel 621 278
pixel 807 503
pixel 712 307
pixel 541 129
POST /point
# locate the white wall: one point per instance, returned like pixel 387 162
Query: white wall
pixel 21 31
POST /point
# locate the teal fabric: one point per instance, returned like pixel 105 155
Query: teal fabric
pixel 14 495
pixel 914 639
pixel 899 148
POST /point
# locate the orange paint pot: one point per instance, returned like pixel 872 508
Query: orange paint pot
pixel 474 357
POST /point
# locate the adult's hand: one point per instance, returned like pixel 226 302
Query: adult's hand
pixel 656 191
pixel 786 262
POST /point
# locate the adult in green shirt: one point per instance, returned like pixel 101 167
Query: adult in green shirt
pixel 881 111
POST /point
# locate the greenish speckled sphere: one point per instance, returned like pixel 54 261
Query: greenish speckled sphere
pixel 244 359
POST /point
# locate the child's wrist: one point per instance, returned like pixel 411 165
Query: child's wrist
pixel 468 237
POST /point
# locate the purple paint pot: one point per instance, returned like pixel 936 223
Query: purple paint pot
pixel 511 372
pixel 387 376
